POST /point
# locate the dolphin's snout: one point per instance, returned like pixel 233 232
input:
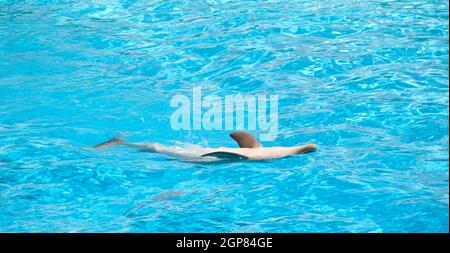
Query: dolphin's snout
pixel 313 147
pixel 307 148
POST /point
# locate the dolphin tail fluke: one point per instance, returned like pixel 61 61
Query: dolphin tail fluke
pixel 110 143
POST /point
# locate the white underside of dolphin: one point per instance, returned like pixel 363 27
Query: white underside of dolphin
pixel 250 149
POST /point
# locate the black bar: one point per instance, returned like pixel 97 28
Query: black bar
pixel 228 241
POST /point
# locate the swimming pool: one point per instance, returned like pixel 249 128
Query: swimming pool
pixel 367 81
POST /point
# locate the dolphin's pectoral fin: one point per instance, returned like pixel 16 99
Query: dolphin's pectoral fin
pixel 226 155
pixel 245 140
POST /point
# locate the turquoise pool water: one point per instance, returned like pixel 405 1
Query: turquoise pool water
pixel 367 81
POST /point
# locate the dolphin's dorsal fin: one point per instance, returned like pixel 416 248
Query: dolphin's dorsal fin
pixel 245 140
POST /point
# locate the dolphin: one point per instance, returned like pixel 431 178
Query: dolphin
pixel 249 149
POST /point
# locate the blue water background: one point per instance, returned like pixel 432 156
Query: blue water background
pixel 367 81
